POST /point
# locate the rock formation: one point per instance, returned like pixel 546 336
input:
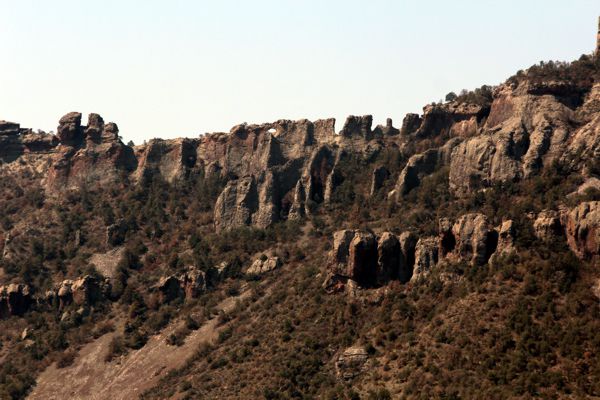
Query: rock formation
pixel 471 239
pixel 15 299
pixel 547 225
pixel 263 265
pixel 351 363
pixel 426 256
pixel 582 228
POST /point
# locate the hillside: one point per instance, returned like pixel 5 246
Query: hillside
pixel 454 257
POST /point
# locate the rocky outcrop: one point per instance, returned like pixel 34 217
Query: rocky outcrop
pixel 471 239
pixel 386 130
pixel 582 228
pixel 369 260
pixel 426 256
pixel 422 164
pixel 236 204
pixel 358 127
pixel 169 159
pixel 263 265
pixel 351 362
pixel 354 256
pixel 378 178
pixel 15 299
pixel 529 127
pixel 390 259
pixel 506 237
pixel 408 243
pixel 453 119
pixel 187 285
pixel 547 225
pixel 84 291
pixel 410 124
pixel 193 283
pixel 69 131
pixel 91 154
pixel 362 258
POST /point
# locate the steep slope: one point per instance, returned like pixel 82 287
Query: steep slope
pixel 454 257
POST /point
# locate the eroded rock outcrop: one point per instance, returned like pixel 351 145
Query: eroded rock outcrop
pixel 582 228
pixel 236 204
pixel 84 291
pixel 426 256
pixel 187 285
pixel 378 178
pixel 530 126
pixel 91 154
pixel 389 258
pixel 470 238
pixel 421 165
pixel 547 225
pixel 263 265
pixel 369 260
pixel 15 299
pixel 351 362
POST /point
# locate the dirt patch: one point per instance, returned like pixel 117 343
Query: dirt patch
pixel 106 263
pixel 127 377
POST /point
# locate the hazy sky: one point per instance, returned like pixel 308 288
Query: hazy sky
pixel 182 68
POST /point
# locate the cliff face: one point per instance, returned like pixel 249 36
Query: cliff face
pixel 278 171
pixel 340 251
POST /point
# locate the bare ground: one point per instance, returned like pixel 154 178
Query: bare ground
pixel 90 377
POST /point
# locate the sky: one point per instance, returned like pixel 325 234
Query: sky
pixel 183 68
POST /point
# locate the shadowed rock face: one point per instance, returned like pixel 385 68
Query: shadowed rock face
pixel 582 228
pixel 390 259
pixel 547 225
pixel 362 258
pixel 15 299
pixel 370 260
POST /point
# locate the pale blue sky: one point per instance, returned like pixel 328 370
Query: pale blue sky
pixel 181 68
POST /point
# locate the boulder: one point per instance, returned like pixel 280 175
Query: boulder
pixel 582 228
pixel 263 265
pixel 352 362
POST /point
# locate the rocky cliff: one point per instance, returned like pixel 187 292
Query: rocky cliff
pixel 351 248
